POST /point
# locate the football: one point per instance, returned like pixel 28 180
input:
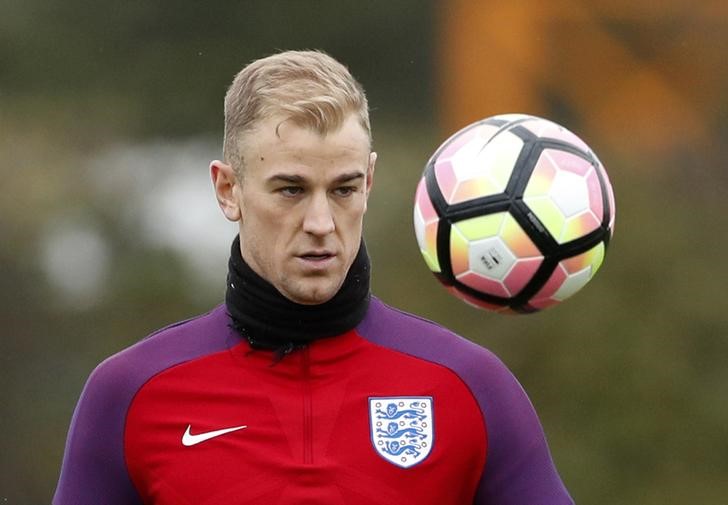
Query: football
pixel 514 213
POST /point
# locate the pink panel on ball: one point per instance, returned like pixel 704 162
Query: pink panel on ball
pixel 577 263
pixel 476 302
pixel 544 303
pixel 542 177
pixel 547 129
pixel 424 203
pixel 446 179
pixel 431 238
pixel 569 162
pixel 595 194
pixel 552 285
pixel 457 141
pixel 578 226
pixel 520 274
pixel 445 172
pixel 459 253
pixel 472 188
pixel 483 285
pixel 517 240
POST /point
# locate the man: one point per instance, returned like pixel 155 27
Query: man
pixel 302 388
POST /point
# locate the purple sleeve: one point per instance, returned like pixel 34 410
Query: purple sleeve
pixel 518 469
pixel 94 468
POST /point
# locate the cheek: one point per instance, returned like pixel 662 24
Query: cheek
pixel 351 229
pixel 269 232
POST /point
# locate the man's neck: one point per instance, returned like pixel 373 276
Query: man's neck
pixel 269 320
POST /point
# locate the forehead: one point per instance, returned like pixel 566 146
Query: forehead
pixel 277 141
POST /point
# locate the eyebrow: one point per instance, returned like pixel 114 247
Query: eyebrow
pixel 297 179
pixel 293 179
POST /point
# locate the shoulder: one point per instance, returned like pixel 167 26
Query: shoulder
pixel 496 390
pixel 520 469
pixel 126 371
pixel 96 432
pixel 498 393
pixel 412 334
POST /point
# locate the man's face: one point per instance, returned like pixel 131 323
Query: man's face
pixel 302 200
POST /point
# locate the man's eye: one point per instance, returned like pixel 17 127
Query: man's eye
pixel 345 190
pixel 290 191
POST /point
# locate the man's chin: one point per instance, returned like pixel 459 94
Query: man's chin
pixel 311 293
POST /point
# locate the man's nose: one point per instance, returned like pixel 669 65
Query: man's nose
pixel 318 219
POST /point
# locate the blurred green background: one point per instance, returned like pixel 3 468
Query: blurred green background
pixel 111 112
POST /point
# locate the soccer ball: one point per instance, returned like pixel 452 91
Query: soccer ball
pixel 514 213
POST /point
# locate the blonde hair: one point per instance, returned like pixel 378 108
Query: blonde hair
pixel 310 88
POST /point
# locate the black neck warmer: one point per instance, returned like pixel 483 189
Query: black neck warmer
pixel 269 320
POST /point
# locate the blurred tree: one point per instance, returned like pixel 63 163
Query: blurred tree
pixel 165 69
pixel 640 80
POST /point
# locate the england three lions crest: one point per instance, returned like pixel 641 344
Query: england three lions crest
pixel 401 428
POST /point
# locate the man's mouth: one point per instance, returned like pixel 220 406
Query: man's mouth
pixel 316 256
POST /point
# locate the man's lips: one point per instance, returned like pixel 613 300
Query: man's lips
pixel 316 255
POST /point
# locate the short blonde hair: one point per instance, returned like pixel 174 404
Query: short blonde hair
pixel 310 88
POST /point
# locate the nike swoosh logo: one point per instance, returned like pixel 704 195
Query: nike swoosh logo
pixel 188 439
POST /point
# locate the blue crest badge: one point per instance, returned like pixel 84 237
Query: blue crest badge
pixel 401 428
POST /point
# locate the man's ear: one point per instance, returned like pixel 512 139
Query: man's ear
pixel 226 185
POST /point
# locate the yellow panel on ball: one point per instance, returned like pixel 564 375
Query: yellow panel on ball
pixel 481 227
pixel 549 214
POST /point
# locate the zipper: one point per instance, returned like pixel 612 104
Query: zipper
pixel 307 407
